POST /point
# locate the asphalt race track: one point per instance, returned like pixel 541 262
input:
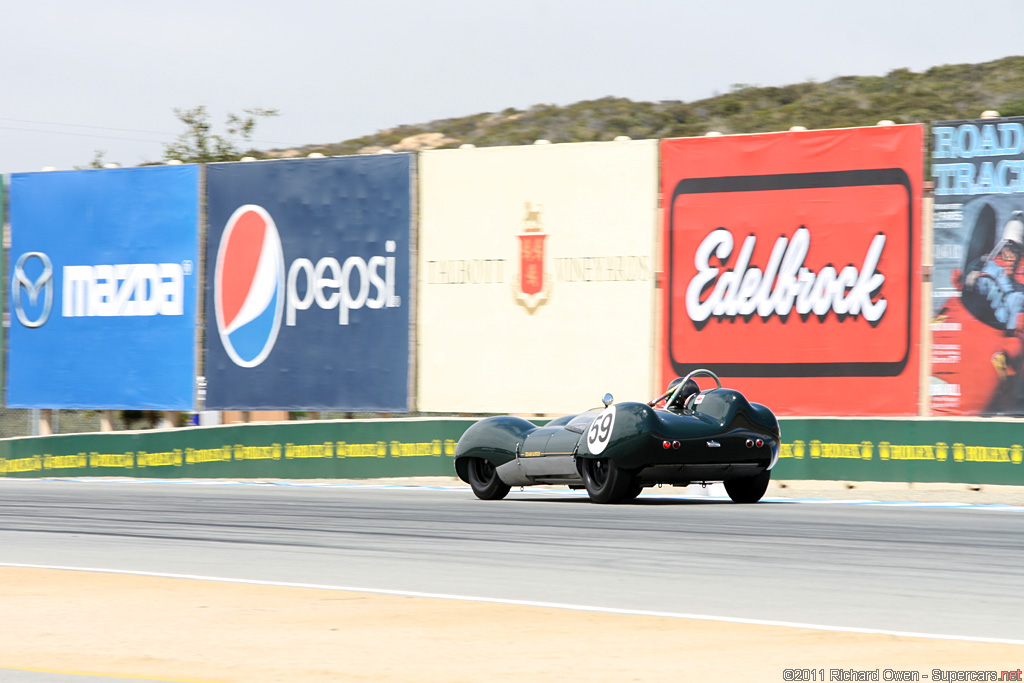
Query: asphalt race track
pixel 929 570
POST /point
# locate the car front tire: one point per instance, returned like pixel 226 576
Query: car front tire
pixel 484 480
pixel 605 481
pixel 748 489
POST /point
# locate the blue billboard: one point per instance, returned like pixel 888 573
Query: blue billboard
pixel 307 284
pixel 977 357
pixel 102 289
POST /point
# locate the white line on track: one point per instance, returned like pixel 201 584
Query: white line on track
pixel 998 507
pixel 530 603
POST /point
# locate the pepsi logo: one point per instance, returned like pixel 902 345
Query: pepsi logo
pixel 248 289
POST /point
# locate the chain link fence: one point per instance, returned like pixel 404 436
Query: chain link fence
pixel 18 422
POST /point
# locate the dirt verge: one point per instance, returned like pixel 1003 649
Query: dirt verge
pixel 190 630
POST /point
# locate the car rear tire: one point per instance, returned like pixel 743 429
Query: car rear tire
pixel 634 491
pixel 748 489
pixel 483 479
pixel 605 481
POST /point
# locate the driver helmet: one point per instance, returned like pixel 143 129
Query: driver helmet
pixel 1013 231
pixel 1011 244
pixel 688 390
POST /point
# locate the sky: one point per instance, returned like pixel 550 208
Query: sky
pixel 105 76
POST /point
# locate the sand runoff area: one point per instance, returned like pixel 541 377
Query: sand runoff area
pixel 193 630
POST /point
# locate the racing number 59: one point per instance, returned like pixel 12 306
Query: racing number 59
pixel 600 431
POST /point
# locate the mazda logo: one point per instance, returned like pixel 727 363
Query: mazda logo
pixel 22 286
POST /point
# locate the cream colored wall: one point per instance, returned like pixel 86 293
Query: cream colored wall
pixel 486 347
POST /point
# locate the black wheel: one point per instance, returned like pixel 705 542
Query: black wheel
pixel 483 478
pixel 748 489
pixel 633 492
pixel 605 481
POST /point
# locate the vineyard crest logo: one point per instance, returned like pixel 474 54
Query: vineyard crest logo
pixel 532 289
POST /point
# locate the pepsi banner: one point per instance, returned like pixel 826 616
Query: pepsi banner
pixel 307 284
pixel 977 311
pixel 103 289
pixel 791 264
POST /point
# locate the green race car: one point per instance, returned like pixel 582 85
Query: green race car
pixel 614 453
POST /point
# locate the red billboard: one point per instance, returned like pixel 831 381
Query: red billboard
pixel 791 266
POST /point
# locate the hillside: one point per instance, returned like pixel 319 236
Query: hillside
pixel 954 91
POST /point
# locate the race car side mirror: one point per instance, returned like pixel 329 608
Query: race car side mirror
pixel 607 400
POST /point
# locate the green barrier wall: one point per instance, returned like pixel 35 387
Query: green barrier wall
pixel 343 449
pixel 964 451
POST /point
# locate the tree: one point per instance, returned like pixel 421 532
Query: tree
pixel 199 145
pixel 97 161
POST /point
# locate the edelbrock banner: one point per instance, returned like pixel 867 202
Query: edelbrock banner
pixel 978 242
pixel 792 266
pixel 307 284
pixel 103 288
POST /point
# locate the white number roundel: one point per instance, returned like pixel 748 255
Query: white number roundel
pixel 600 432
